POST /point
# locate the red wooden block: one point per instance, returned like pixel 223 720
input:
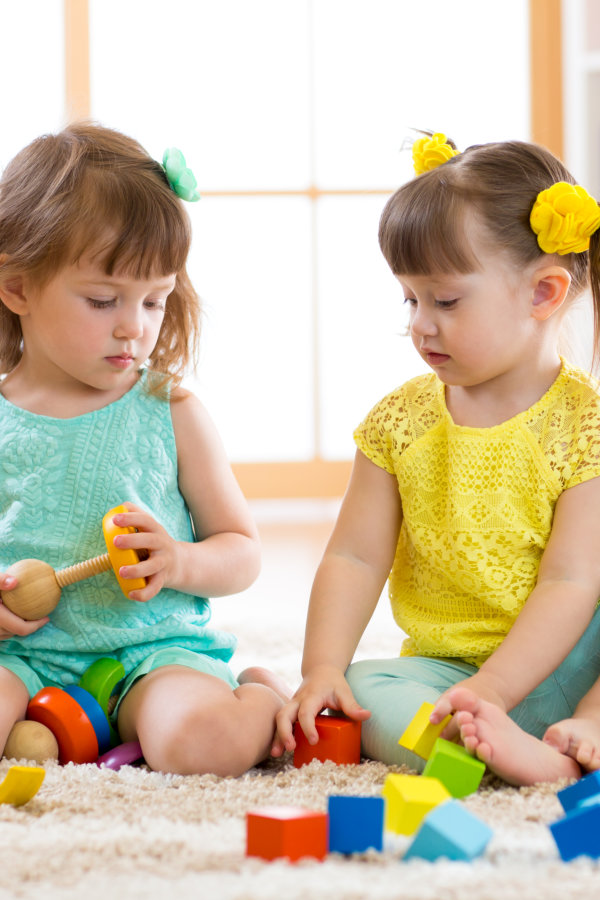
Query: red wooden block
pixel 273 832
pixel 339 741
pixel 75 735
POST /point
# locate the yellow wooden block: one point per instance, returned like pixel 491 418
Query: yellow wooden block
pixel 408 799
pixel 21 784
pixel 421 735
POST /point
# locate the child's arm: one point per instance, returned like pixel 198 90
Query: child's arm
pixel 225 558
pixel 347 586
pixel 557 611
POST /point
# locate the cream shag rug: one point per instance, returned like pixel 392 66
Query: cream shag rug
pixel 92 834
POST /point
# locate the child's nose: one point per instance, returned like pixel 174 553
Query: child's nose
pixel 129 325
pixel 423 322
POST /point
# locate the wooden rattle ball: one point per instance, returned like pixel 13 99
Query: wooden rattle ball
pixel 31 741
pixel 37 592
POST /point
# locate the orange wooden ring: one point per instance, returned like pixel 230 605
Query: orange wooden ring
pixel 118 556
pixel 74 733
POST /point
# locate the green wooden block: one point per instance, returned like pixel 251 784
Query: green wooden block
pixel 459 772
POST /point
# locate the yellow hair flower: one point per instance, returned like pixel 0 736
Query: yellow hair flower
pixel 430 152
pixel 564 217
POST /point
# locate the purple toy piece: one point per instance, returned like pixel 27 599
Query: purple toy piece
pixel 122 755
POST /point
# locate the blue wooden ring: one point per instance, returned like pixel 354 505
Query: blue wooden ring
pixel 94 712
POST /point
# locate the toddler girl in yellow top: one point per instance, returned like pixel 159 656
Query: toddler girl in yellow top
pixel 475 488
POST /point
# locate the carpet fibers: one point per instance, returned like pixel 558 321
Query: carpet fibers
pixel 92 833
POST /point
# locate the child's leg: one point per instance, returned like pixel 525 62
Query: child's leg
pixel 579 736
pixel 14 698
pixel 189 722
pixel 393 690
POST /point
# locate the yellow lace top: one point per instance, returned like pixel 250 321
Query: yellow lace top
pixel 477 506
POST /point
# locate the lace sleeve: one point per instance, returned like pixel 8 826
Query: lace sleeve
pixel 386 431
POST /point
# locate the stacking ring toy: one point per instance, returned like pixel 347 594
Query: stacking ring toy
pixel 94 712
pixel 101 678
pixel 66 719
pixel 39 587
pixel 123 755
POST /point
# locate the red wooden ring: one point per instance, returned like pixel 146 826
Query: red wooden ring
pixel 68 722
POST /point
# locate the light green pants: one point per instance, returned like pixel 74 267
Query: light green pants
pixel 394 689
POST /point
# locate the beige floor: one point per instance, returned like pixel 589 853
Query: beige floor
pixel 294 535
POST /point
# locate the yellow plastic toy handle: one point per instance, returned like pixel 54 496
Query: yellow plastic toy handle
pixel 118 556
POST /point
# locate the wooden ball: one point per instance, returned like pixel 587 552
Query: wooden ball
pixel 37 592
pixel 31 741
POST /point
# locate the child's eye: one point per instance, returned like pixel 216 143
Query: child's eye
pixel 155 304
pixel 100 304
pixel 446 304
pixel 411 301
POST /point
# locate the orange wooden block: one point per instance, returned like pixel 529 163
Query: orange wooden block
pixel 273 832
pixel 339 741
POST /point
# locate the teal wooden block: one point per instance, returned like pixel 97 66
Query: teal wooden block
pixel 450 831
pixel 459 772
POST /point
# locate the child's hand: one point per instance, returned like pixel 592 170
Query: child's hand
pixel 160 568
pixel 324 688
pixel 10 624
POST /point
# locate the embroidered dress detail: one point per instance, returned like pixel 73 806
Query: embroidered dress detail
pixel 58 478
pixel 477 506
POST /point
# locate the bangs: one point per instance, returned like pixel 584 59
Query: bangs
pixel 421 230
pixel 142 233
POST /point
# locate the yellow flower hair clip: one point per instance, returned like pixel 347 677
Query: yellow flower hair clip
pixel 564 217
pixel 430 152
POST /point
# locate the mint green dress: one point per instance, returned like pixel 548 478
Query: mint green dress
pixel 58 477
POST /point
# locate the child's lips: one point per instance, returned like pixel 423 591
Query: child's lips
pixel 119 362
pixel 436 359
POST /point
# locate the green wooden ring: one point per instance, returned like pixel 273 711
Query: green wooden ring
pixel 101 678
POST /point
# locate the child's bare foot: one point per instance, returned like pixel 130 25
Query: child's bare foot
pixel 577 738
pixel 506 749
pixel 260 675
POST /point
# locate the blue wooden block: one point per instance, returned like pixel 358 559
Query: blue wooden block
pixel 355 824
pixel 570 797
pixel 578 834
pixel 451 831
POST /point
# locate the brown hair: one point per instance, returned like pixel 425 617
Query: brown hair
pixel 91 189
pixel 421 230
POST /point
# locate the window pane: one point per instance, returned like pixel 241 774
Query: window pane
pixel 33 67
pixel 251 264
pixel 226 82
pixel 363 352
pixel 384 66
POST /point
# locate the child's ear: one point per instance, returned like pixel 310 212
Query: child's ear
pixel 12 294
pixel 551 286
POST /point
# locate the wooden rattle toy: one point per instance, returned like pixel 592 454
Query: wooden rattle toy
pixel 39 587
